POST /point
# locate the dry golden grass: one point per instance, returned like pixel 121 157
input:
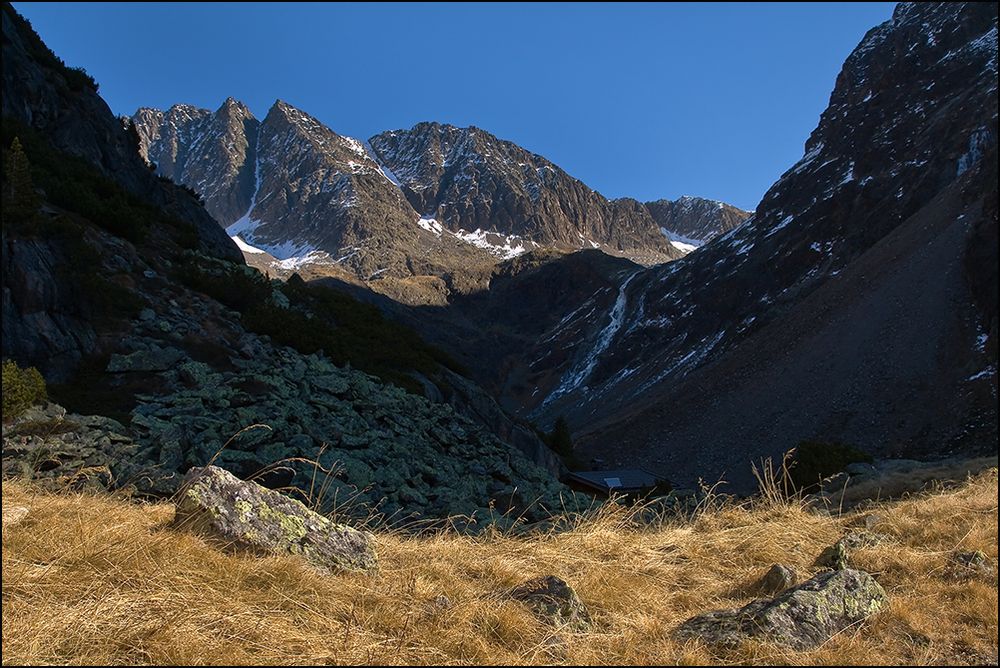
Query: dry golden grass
pixel 92 579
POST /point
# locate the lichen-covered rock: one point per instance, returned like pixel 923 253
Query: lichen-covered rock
pixel 801 618
pixel 861 538
pixel 834 557
pixel 554 601
pixel 778 578
pixel 245 515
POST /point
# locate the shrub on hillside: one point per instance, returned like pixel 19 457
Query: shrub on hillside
pixel 815 460
pixel 318 319
pixel 22 388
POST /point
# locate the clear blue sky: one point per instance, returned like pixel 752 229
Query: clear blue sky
pixel 639 100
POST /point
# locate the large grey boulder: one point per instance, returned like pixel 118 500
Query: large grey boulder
pixel 244 515
pixel 801 618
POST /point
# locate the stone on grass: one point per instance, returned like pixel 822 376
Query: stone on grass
pixel 14 515
pixel 833 557
pixel 777 579
pixel 555 602
pixel 244 515
pixel 969 564
pixel 801 618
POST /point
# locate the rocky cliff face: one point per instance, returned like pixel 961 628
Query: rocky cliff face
pixel 212 153
pixel 693 221
pixel 907 138
pixel 47 310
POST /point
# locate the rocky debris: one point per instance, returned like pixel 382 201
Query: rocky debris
pixel 892 478
pixel 555 602
pixel 215 503
pixel 969 564
pixel 156 359
pixel 14 515
pixel 60 450
pixel 833 557
pixel 801 618
pixel 379 449
pixel 777 579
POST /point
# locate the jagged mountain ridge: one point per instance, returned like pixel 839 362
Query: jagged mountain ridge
pixel 469 181
pixel 433 201
pixel 212 153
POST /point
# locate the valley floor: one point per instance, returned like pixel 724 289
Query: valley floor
pixel 96 579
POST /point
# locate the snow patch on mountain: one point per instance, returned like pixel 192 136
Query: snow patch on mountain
pixel 577 375
pixel 503 246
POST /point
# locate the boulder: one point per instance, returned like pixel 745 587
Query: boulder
pixel 244 515
pixel 801 618
pixel 555 602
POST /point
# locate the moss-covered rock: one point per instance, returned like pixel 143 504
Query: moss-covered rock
pixel 217 504
pixel 555 602
pixel 801 618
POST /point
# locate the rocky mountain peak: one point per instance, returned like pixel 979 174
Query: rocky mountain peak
pixel 694 221
pixel 468 179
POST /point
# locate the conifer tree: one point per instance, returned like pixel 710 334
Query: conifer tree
pixel 561 440
pixel 20 201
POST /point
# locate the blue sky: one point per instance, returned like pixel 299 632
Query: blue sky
pixel 641 100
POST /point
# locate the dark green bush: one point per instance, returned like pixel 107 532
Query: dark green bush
pixel 22 389
pixel 560 439
pixel 815 460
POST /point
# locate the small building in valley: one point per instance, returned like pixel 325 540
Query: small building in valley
pixel 627 482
